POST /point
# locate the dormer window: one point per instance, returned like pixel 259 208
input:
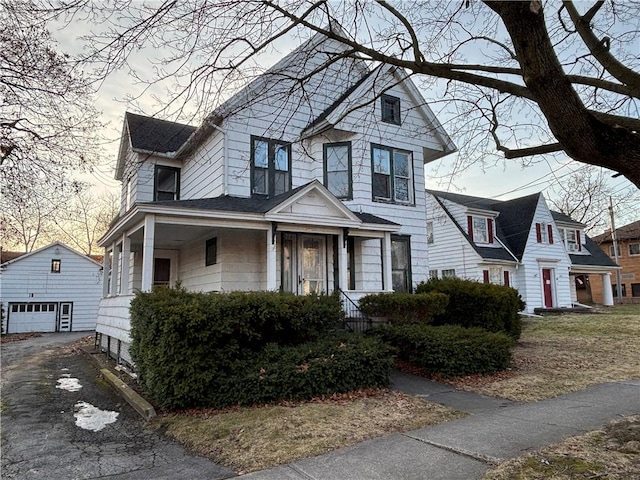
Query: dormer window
pixel 390 109
pixel 166 184
pixel 572 240
pixel 480 229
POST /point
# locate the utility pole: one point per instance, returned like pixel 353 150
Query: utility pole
pixel 614 237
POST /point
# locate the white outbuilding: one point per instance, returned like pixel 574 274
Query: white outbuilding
pixel 52 289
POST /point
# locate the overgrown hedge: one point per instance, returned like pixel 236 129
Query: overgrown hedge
pixel 474 304
pixel 404 307
pixel 337 363
pixel 196 349
pixel 449 350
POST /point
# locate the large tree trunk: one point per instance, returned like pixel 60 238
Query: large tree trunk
pixel 583 137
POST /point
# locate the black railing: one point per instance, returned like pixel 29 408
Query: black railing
pixel 354 319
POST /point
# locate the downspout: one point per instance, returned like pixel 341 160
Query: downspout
pixel 225 151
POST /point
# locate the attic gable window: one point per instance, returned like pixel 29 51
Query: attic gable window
pixel 270 166
pixel 480 229
pixel 166 183
pixel 390 106
pixel 56 265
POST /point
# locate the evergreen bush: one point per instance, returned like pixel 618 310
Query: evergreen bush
pixel 449 350
pixel 404 307
pixel 473 304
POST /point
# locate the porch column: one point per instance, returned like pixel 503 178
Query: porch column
pixel 342 261
pixel 272 278
pixel 126 264
pixel 105 273
pixel 147 252
pixel 607 291
pixel 386 262
pixel 115 269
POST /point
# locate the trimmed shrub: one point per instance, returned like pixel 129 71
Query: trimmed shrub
pixel 182 341
pixel 449 350
pixel 335 364
pixel 473 304
pixel 404 307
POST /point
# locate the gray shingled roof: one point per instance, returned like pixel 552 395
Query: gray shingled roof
pixel 257 204
pixel 153 135
pixel 563 217
pixel 597 257
pixel 630 231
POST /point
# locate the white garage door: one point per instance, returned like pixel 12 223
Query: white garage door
pixel 32 317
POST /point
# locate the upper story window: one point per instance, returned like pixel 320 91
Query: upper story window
pixel 270 166
pixel 337 169
pixel 166 183
pixel 390 109
pixel 544 233
pixel 571 239
pixel 56 265
pixel 480 229
pixel 392 171
pixel 612 252
pixel 634 249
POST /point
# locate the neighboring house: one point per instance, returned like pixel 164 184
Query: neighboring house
pixel 52 289
pixel 301 187
pixel 519 243
pixel 628 239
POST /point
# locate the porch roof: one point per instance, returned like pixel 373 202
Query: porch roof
pixel 597 258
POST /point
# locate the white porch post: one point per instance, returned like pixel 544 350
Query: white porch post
pixel 115 269
pixel 272 278
pixel 126 264
pixel 105 273
pixel 342 261
pixel 147 252
pixel 386 262
pixel 607 291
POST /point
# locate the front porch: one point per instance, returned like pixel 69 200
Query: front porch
pixel 215 251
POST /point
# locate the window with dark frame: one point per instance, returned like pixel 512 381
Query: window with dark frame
pixel 401 264
pixel 56 265
pixel 337 169
pixel 166 184
pixel 390 107
pixel 392 174
pixel 211 255
pixel 270 166
pixel 634 249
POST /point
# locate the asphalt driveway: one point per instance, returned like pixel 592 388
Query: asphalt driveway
pixel 61 420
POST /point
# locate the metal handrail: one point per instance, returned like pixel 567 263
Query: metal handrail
pixel 355 320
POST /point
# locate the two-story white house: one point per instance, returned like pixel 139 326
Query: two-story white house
pixel 520 243
pixel 310 179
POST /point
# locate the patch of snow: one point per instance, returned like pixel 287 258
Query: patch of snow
pixel 69 384
pixel 92 418
pixel 65 375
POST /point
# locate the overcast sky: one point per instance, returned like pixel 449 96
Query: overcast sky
pixel 505 180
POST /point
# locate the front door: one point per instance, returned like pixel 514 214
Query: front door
pixel 547 287
pixel 303 263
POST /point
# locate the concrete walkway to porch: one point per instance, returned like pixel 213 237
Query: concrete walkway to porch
pixel 496 430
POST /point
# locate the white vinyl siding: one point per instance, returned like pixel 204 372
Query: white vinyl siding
pixel 29 280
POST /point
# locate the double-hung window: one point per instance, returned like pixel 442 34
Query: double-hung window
pixel 166 183
pixel 392 171
pixel 634 249
pixel 480 229
pixel 337 169
pixel 270 166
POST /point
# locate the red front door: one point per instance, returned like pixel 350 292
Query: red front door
pixel 546 285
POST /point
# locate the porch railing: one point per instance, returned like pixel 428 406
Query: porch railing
pixel 354 319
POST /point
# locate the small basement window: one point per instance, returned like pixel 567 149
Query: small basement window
pixel 56 263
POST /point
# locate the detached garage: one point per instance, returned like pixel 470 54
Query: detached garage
pixel 53 289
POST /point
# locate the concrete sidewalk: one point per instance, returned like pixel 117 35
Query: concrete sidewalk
pixel 464 449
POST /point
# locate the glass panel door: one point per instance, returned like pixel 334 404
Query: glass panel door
pixel 289 268
pixel 312 266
